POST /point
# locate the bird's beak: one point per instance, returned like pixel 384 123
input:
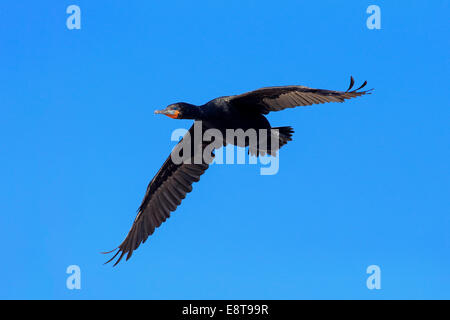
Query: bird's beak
pixel 170 113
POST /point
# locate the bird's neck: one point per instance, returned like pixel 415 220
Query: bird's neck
pixel 194 112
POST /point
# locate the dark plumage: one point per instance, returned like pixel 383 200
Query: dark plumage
pixel 173 181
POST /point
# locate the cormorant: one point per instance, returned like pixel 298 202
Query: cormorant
pixel 245 111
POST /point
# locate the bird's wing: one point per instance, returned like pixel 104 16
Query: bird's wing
pixel 269 99
pixel 164 193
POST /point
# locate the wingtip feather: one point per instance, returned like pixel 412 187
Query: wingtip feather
pixel 352 82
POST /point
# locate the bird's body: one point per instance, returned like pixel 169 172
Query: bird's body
pixel 232 118
pixel 243 112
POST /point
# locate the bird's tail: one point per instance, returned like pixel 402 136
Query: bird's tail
pixel 282 134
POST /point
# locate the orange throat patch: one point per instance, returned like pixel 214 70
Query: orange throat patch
pixel 174 115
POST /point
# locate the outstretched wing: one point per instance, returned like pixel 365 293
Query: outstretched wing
pixel 164 194
pixel 270 99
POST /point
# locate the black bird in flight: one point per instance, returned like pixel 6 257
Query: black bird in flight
pixel 245 111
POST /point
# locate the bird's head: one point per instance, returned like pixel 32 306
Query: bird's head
pixel 179 110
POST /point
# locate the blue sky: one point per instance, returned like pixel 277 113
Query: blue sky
pixel 362 183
